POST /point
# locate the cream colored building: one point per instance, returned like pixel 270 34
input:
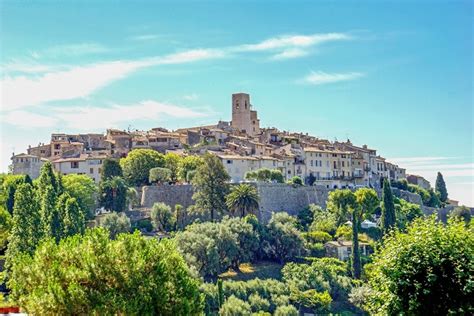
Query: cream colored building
pixel 27 164
pixel 84 164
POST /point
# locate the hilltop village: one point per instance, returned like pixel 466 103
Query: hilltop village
pixel 241 144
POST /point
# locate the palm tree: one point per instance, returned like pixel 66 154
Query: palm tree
pixel 243 198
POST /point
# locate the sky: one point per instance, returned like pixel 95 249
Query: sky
pixel 395 75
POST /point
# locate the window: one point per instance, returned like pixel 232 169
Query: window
pixel 229 162
pixel 343 163
pixel 57 146
pixel 335 166
pixel 311 163
pixel 74 164
pixel 43 151
pixel 245 104
pixel 91 170
pixel 237 105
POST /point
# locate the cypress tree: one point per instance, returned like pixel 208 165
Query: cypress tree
pixel 26 223
pixel 388 207
pixel 73 221
pixel 440 187
pixel 110 168
pixel 50 217
pixel 47 177
pixel 355 246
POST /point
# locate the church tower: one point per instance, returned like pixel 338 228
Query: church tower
pixel 243 118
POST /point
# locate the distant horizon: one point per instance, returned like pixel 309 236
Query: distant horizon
pixel 393 76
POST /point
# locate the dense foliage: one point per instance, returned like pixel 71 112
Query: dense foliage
pixel 136 166
pixel 160 175
pixel 388 207
pixel 162 217
pixel 110 168
pixel 440 188
pixel 113 194
pixel 428 270
pixel 83 189
pixel 265 175
pixel 92 274
pixel 211 186
pixel 115 223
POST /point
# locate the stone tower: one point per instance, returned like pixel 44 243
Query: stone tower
pixel 243 118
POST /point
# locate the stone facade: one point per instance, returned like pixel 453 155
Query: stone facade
pixel 168 194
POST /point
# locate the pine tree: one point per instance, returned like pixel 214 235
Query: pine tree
pixel 50 217
pixel 388 207
pixel 73 221
pixel 440 187
pixel 210 186
pixel 355 245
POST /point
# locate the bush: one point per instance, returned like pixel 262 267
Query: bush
pixel 317 237
pixel 115 223
pixel 296 181
pixel 427 270
pixel 316 250
pixel 257 303
pixel 159 175
pixel 235 307
pixel 144 224
pixel 162 217
pixel 287 310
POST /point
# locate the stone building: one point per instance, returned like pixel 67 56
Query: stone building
pixel 243 117
pixel 83 164
pixel 419 180
pixel 27 164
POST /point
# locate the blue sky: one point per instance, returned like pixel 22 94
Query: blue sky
pixel 394 75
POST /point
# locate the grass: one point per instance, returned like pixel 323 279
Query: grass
pixel 248 271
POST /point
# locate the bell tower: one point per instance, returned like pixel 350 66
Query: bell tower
pixel 243 118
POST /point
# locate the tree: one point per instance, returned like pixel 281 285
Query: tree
pixel 110 168
pixel 286 310
pixel 434 200
pixel 5 227
pixel 210 186
pixel 356 265
pixel 367 201
pixel 26 223
pixel 440 188
pixel 51 225
pixel 115 224
pixel 462 212
pixel 113 194
pixel 426 271
pixel 296 181
pixel 94 275
pixel 162 217
pixel 247 240
pixel 339 203
pixel 9 186
pixel 73 220
pixel 284 239
pixel 242 199
pixel 186 165
pixel 388 207
pixel 136 166
pixel 276 176
pixel 48 177
pixel 84 190
pixel 160 175
pixel 172 162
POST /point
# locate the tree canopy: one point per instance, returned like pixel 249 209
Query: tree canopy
pixel 210 186
pixel 440 188
pixel 426 271
pixel 92 274
pixel 136 166
pixel 242 199
pixel 110 168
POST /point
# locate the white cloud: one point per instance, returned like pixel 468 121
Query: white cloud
pixel 21 91
pixel 320 77
pixel 290 53
pixel 99 118
pixel 55 83
pixel 29 120
pixel 294 41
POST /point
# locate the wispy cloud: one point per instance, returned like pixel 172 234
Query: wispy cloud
pixel 320 77
pixel 290 53
pixel 21 91
pixel 56 83
pixel 144 37
pixel 99 118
